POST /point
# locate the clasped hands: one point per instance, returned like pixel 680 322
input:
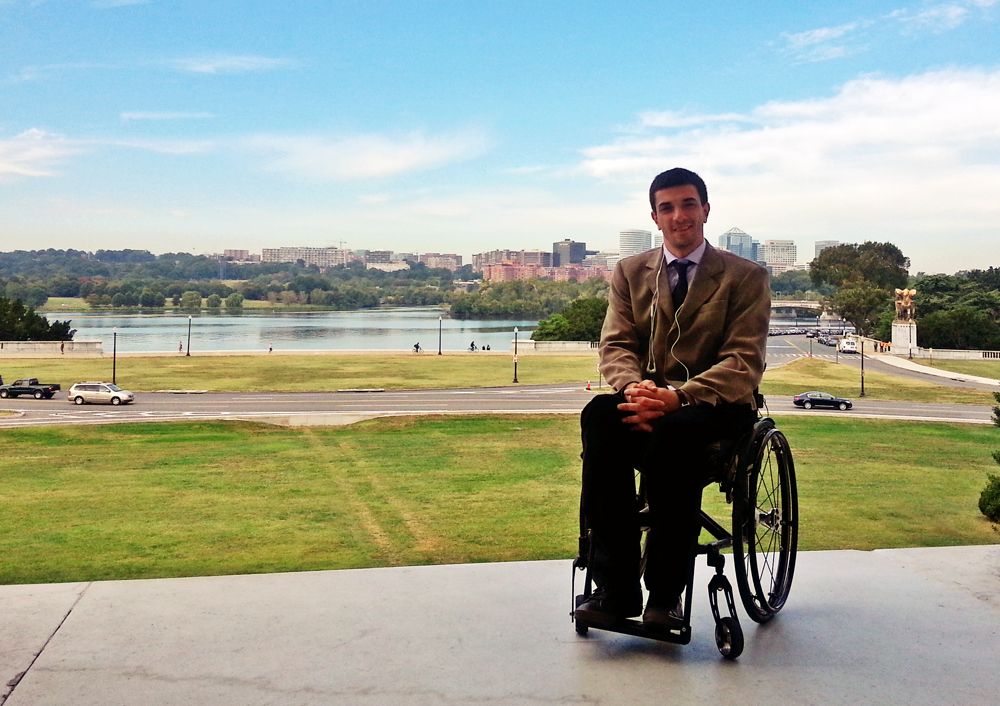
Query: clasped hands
pixel 647 402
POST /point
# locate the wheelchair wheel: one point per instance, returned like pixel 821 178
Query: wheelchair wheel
pixel 765 524
pixel 729 638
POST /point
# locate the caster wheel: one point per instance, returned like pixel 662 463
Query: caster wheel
pixel 729 637
pixel 581 629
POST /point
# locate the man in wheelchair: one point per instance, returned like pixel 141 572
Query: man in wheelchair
pixel 683 345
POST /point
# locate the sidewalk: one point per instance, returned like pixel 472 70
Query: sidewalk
pixel 907 626
pixel 908 364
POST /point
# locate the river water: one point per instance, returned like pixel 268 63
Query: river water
pixel 371 329
pixel 394 329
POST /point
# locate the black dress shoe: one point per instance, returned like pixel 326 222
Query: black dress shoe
pixel 605 602
pixel 665 613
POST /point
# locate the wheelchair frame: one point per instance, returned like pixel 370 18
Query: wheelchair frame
pixel 757 475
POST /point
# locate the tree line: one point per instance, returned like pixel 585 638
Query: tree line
pixel 138 278
pixel 854 280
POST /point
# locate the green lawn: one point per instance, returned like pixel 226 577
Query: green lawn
pixel 982 368
pixel 310 372
pixel 158 500
pixel 333 371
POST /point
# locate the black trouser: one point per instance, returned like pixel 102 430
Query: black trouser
pixel 672 460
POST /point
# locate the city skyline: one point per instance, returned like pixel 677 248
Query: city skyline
pixel 468 127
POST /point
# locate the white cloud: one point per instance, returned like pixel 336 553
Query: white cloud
pixel 915 158
pixel 850 38
pixel 34 153
pixel 939 18
pixel 821 35
pixel 229 63
pixel 675 119
pixel 366 156
pixel 155 115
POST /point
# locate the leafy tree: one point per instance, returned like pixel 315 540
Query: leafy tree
pixel 864 276
pixel 861 303
pixel 214 301
pixel 234 301
pixel 881 264
pixel 552 328
pixel 962 327
pixel 190 300
pixel 151 298
pixel 21 323
pixel 794 282
pixel 581 320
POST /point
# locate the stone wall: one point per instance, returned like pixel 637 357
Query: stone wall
pixel 46 349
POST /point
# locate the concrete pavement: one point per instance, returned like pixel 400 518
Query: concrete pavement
pixel 913 626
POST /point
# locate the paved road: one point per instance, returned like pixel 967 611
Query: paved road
pixel 515 399
pixel 522 399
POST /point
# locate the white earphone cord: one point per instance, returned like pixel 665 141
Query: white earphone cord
pixel 650 361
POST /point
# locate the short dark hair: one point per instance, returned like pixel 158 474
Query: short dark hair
pixel 678 176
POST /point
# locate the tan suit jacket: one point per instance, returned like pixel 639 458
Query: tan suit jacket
pixel 720 335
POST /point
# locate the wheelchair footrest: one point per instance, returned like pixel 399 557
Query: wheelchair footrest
pixel 681 634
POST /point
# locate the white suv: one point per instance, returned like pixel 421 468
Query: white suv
pixel 99 393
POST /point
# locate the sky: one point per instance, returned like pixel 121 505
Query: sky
pixel 461 126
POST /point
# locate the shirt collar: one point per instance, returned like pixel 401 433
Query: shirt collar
pixel 694 256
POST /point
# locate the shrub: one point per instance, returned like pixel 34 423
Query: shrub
pixel 989 501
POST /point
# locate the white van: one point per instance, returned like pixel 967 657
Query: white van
pixel 848 345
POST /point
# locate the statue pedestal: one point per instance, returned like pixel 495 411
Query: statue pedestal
pixel 904 337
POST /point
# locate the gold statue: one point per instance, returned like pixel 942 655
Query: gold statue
pixel 906 310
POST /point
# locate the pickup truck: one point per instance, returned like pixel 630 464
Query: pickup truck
pixel 29 386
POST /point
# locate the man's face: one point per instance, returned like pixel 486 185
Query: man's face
pixel 680 215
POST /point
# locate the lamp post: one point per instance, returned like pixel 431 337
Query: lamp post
pixel 439 335
pixel 862 341
pixel 114 356
pixel 189 336
pixel 515 354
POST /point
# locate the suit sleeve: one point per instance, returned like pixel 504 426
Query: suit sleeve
pixel 740 360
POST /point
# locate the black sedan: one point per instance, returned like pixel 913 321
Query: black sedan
pixel 808 400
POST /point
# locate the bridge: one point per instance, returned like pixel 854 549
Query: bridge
pixel 789 304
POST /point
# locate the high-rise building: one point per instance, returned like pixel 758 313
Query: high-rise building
pixel 568 252
pixel 778 255
pixel 633 242
pixel 740 243
pixel 447 261
pixel 822 245
pixel 321 257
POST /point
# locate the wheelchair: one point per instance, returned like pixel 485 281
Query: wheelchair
pixel 756 473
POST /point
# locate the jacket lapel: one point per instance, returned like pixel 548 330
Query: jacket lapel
pixel 706 281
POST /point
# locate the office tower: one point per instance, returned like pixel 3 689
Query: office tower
pixel 568 252
pixel 739 243
pixel 633 242
pixel 321 257
pixel 778 255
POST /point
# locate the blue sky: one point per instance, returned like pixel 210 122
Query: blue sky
pixel 467 126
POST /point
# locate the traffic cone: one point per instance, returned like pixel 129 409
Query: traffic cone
pixel 588 384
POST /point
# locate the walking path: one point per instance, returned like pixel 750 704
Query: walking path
pixel 904 626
